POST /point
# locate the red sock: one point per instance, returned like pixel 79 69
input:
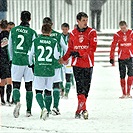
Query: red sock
pixel 81 103
pixel 129 83
pixel 123 86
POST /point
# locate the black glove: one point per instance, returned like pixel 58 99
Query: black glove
pixel 32 66
pixel 111 61
pixel 75 54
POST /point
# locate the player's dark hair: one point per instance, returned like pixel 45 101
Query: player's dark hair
pixel 11 23
pixel 25 16
pixel 122 23
pixel 65 25
pixel 3 24
pixel 46 28
pixel 47 20
pixel 80 15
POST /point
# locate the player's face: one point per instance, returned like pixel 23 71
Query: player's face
pixel 65 30
pixel 10 27
pixel 83 22
pixel 124 28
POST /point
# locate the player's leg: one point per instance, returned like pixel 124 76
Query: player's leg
pixel 93 14
pixel 122 70
pixel 9 83
pixel 79 88
pixel 130 76
pixel 56 91
pixel 16 74
pixel 68 84
pixel 98 19
pixel 28 78
pixel 48 93
pixel 39 85
pixel 2 91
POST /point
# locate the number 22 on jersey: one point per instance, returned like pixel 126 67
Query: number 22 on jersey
pixel 41 55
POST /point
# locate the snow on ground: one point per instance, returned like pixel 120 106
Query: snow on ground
pixel 107 113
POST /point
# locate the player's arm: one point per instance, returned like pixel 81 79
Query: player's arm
pixel 63 45
pixel 113 47
pixel 31 54
pixel 56 52
pixel 10 48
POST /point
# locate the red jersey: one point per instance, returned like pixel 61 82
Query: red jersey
pixel 85 43
pixel 125 45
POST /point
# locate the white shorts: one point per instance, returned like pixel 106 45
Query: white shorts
pixel 68 69
pixel 42 83
pixel 17 72
pixel 58 75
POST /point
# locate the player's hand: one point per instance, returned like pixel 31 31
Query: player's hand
pixel 111 61
pixel 0 80
pixel 75 54
pixel 61 61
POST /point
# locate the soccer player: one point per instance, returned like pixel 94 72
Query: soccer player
pixel 58 67
pixel 124 39
pixel 45 50
pixel 81 46
pixel 68 68
pixel 5 64
pixel 20 42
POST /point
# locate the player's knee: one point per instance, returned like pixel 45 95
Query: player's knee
pixel 16 85
pixel 56 85
pixel 48 93
pixel 39 91
pixel 28 86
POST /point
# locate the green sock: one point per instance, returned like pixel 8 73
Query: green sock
pixel 61 86
pixel 56 95
pixel 67 87
pixel 29 98
pixel 48 102
pixel 40 100
pixel 16 95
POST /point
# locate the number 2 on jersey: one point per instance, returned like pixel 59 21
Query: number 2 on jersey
pixel 19 46
pixel 47 58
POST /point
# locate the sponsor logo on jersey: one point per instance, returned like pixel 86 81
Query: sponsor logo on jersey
pixel 95 39
pixel 81 47
pixel 45 41
pixel 22 30
pixel 126 44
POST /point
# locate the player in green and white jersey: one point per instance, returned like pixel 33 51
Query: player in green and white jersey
pixel 58 67
pixel 20 42
pixel 45 52
pixel 68 67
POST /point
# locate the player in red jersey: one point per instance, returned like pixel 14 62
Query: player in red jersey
pixel 124 39
pixel 81 46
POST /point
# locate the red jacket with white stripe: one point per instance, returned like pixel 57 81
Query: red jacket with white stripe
pixel 85 43
pixel 125 45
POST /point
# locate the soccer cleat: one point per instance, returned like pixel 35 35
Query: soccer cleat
pixel 122 97
pixel 3 102
pixel 77 115
pixel 129 96
pixel 44 114
pixel 28 113
pixel 55 111
pixel 8 103
pixel 85 114
pixel 16 110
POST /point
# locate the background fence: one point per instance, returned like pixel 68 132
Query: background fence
pixel 112 12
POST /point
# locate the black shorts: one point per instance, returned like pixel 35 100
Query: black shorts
pixel 125 66
pixel 5 70
pixel 83 78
